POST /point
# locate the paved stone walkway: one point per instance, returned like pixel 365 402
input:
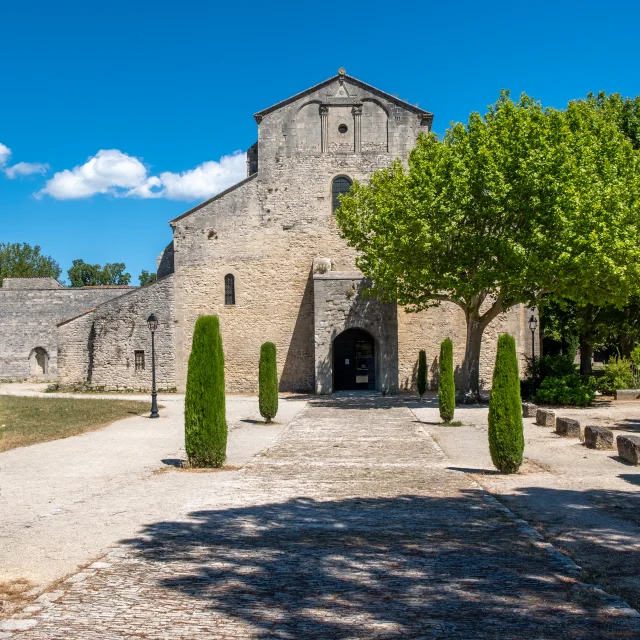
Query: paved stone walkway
pixel 350 526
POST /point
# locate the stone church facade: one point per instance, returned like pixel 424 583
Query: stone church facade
pixel 266 257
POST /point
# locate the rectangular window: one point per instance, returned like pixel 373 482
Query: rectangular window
pixel 139 356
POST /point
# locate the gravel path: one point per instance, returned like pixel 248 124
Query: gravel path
pixel 350 526
pixel 68 501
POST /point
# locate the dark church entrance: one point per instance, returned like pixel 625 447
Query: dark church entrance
pixel 354 363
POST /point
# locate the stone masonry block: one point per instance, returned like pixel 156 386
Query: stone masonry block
pixel 529 410
pixel 546 418
pixel 628 394
pixel 567 427
pixel 598 437
pixel 629 448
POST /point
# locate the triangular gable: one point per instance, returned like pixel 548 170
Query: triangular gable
pixel 343 76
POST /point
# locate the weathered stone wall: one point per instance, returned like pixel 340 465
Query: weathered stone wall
pixel 267 231
pixel 427 329
pixel 99 346
pixel 29 312
pixel 338 306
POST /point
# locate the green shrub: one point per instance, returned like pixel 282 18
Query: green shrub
pixel 618 374
pixel 268 381
pixel 566 390
pixel 555 366
pixel 422 373
pixel 635 356
pixel 506 437
pixel 446 384
pixel 204 405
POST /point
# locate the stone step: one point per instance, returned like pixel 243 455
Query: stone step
pixel 629 448
pixel 598 437
pixel 546 418
pixel 627 394
pixel 529 410
pixel 568 427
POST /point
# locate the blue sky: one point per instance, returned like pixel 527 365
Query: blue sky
pixel 157 93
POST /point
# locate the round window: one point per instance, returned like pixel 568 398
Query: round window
pixel 343 128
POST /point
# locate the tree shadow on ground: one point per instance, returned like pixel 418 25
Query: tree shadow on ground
pixel 400 567
pixel 629 424
pixel 598 528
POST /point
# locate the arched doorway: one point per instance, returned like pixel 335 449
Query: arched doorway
pixel 38 362
pixel 354 362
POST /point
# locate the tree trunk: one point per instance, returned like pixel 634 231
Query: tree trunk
pixel 471 368
pixel 626 345
pixel 586 354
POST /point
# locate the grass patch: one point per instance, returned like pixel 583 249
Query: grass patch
pixel 456 423
pixel 29 420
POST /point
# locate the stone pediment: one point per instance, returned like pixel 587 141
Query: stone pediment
pixel 346 95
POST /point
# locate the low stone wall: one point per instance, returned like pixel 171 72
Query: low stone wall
pixel 30 309
pixel 627 394
pixel 99 347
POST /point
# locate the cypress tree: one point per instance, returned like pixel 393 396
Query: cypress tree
pixel 422 373
pixel 446 385
pixel 506 437
pixel 205 422
pixel 268 381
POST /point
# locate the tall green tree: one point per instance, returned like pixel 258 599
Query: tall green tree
pixel 516 204
pixel 21 260
pixel 205 422
pixel 506 435
pixel 268 382
pixel 82 274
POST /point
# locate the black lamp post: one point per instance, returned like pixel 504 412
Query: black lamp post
pixel 533 325
pixel 152 323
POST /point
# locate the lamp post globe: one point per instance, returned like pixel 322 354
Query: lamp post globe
pixel 152 323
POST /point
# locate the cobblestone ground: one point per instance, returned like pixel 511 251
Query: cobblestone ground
pixel 349 527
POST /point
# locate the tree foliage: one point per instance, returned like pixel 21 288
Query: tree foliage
pixel 268 382
pixel 446 383
pixel 204 405
pixel 82 274
pixel 146 277
pixel 506 436
pixel 422 373
pixel 516 204
pixel 21 260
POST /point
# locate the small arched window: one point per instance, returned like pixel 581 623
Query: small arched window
pixel 229 289
pixel 341 184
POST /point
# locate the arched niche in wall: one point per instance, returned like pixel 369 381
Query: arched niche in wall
pixel 308 128
pixel 374 127
pixel 38 362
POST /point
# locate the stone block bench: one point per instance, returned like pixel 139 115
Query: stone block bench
pixel 529 410
pixel 598 437
pixel 568 427
pixel 629 448
pixel 627 394
pixel 546 418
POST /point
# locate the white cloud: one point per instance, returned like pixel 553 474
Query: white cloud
pixel 200 183
pixel 114 172
pixel 26 169
pixel 106 172
pixel 5 152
